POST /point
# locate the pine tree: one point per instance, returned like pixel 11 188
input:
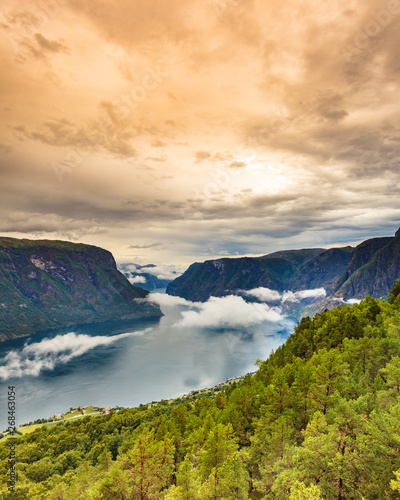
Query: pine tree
pixel 391 372
pixel 188 483
pixel 113 486
pixel 219 445
pixel 329 370
pixel 394 292
pixel 150 465
pixel 228 482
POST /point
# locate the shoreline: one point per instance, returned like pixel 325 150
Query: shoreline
pixel 100 411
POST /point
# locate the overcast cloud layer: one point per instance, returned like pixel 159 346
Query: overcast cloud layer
pixel 179 131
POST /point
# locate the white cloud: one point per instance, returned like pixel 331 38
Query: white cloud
pixel 132 268
pixel 137 279
pixel 231 311
pixel 32 359
pixel 264 294
pixel 164 300
pixel 161 272
pixel 315 293
pixel 268 295
pixel 350 302
pixel 353 301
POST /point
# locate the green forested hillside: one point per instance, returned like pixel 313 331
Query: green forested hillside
pixel 319 420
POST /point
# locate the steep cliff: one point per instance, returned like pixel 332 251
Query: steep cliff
pixel 373 270
pixel 323 270
pixel 49 284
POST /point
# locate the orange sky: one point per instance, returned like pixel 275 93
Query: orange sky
pixel 174 131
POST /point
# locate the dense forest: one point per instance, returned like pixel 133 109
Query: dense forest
pixel 319 420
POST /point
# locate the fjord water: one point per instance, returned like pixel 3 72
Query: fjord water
pixel 155 360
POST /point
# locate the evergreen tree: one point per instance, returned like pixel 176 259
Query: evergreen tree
pixel 114 486
pixel 300 491
pixel 329 371
pixel 150 465
pixel 228 482
pixel 394 292
pixel 188 483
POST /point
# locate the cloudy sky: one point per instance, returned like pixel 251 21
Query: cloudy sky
pixel 174 131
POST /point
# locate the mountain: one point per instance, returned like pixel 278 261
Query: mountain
pixel 148 277
pixel 175 287
pixel 374 268
pixel 50 284
pixel 224 276
pixel 370 268
pixel 323 270
pixel 220 277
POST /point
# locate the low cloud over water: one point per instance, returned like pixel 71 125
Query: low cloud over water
pixel 33 358
pixel 233 311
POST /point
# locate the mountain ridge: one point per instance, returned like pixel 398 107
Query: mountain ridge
pixel 370 268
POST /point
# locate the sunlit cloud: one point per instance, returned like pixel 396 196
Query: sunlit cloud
pixel 210 128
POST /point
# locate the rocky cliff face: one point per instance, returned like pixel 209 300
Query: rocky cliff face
pixel 374 269
pixel 361 256
pixel 323 270
pixel 50 284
